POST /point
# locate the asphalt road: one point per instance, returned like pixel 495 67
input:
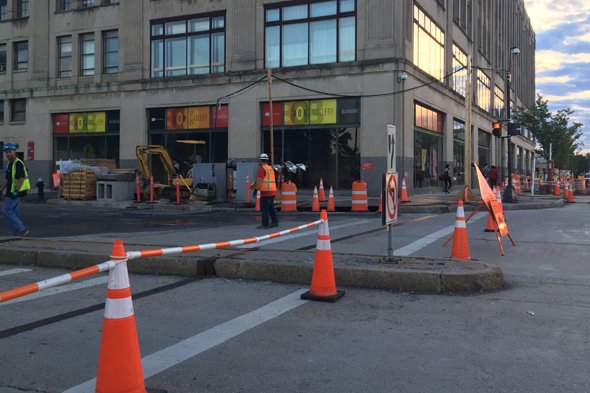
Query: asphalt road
pixel 242 336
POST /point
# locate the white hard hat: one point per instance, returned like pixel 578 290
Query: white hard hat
pixel 263 156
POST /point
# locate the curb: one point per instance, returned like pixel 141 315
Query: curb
pixel 430 275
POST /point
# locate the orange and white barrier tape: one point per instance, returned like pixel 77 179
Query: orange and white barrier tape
pixel 108 265
pixel 212 246
pixel 55 281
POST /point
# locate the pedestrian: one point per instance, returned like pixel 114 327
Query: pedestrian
pixel 266 184
pixel 16 186
pixel 493 178
pixel 485 171
pixel 447 179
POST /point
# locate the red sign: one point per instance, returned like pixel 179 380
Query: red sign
pixel 223 119
pixel 60 124
pixel 368 166
pixel 391 202
pixel 30 151
pixel 277 114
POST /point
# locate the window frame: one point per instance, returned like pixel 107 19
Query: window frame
pixel 22 8
pixel 15 51
pixel 308 20
pixel 418 26
pixel 3 10
pixel 186 35
pixel 60 72
pixel 105 67
pixel 4 69
pixel 13 103
pixel 84 55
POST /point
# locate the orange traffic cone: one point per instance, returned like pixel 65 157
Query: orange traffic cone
pixel 119 363
pixel 323 281
pixel 460 242
pixel 331 204
pixel 380 210
pixel 404 196
pixel 321 193
pixel 257 207
pixel 315 204
pixel 491 226
pixel 570 195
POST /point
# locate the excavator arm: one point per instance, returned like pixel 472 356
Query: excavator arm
pixel 143 153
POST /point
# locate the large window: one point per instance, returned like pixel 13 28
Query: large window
pixel 311 33
pixel 21 56
pixel 483 148
pixel 189 46
pixel 18 110
pixel 110 45
pixel 88 3
pixel 484 98
pixel 429 45
pixel 2 57
pixel 428 141
pixel 499 103
pixel 64 5
pixel 3 9
pixel 460 70
pixel 87 54
pixel 64 46
pixel 21 8
pixel 459 150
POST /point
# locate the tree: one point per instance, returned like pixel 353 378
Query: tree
pixel 552 129
pixel 581 164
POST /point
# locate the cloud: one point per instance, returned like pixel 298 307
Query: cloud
pixel 553 79
pixel 578 95
pixel 547 14
pixel 550 60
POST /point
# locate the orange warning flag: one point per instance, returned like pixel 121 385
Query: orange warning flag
pixel 492 203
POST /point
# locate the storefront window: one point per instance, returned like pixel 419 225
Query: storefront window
pixel 459 151
pixel 190 134
pixel 428 139
pixel 321 134
pixel 86 135
pixel 483 149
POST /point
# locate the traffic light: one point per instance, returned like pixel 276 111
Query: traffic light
pixel 513 129
pixel 497 128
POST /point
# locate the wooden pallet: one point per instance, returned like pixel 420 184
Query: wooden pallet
pixel 79 185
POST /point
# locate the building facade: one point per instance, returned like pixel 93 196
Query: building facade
pixel 95 78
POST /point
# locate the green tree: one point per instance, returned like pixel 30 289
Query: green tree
pixel 581 164
pixel 552 129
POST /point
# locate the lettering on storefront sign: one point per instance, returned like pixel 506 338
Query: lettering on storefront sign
pixel 198 117
pixel 296 112
pixel 87 122
pixel 322 112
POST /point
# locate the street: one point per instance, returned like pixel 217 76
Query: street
pixel 218 335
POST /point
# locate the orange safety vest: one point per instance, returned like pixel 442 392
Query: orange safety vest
pixel 268 183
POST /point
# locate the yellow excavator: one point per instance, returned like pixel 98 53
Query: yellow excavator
pixel 186 179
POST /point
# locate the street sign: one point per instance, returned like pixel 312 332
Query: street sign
pixel 390 197
pixel 391 148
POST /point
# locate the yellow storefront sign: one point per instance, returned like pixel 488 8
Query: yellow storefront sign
pixel 322 112
pixel 198 117
pixel 296 113
pixel 87 122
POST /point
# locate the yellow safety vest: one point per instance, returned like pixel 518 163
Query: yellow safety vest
pixel 268 183
pixel 26 184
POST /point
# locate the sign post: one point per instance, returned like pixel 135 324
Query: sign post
pixel 390 189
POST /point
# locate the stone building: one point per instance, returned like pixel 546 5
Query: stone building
pixel 95 78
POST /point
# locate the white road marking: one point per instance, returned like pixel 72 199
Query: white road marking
pixel 300 234
pixel 192 346
pixel 428 239
pixel 54 291
pixel 13 271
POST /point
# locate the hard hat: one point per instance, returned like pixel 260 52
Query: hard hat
pixel 10 146
pixel 263 156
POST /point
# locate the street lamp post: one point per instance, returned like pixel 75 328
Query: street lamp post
pixel 509 195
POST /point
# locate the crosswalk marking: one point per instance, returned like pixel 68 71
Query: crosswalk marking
pixel 13 271
pixel 192 346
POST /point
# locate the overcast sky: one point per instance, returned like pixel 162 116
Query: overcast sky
pixel 563 56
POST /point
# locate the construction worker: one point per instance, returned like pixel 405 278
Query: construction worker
pixel 266 184
pixel 16 186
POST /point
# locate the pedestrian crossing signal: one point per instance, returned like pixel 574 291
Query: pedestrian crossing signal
pixel 497 128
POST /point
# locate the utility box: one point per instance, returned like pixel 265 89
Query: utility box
pixel 240 179
pixel 209 179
